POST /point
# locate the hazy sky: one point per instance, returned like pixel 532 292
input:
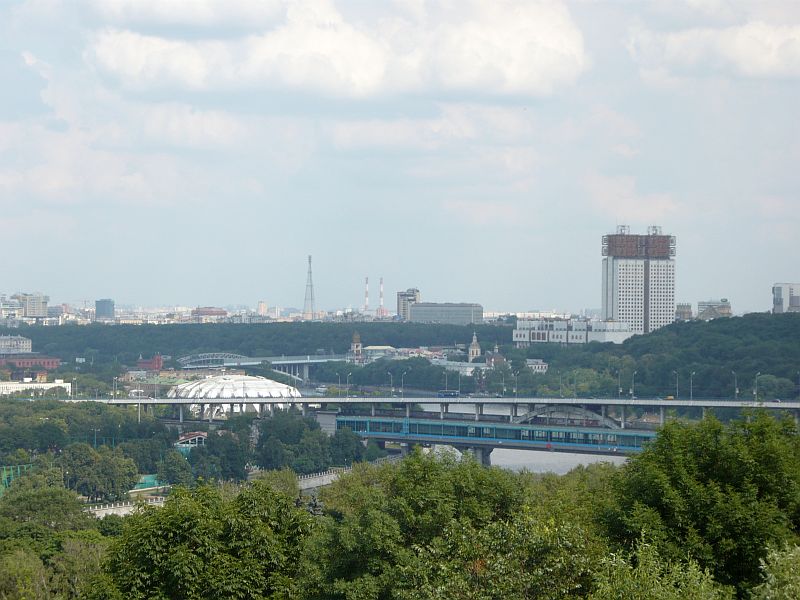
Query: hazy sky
pixel 195 152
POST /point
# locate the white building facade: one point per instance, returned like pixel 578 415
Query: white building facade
pixel 568 331
pixel 639 279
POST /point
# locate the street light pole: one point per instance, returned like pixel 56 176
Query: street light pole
pixel 391 382
pixel 735 386
pixel 403 385
pixel 347 383
pixel 619 385
pixel 676 384
pixel 691 385
pixel 633 384
pixel 755 387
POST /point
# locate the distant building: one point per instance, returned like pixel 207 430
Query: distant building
pixel 785 298
pixel 568 331
pixel 262 310
pixel 639 279
pixel 404 300
pixel 10 308
pixel 447 313
pixel 209 311
pixel 713 309
pixel 30 361
pixel 33 305
pixel 29 385
pixel 683 312
pixel 537 365
pixel 356 348
pixel 15 344
pixel 150 364
pixel 104 310
pixel 474 349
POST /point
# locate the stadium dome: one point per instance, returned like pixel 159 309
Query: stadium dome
pixel 240 393
pixel 233 386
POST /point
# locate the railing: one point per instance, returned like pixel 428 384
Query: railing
pixel 94 508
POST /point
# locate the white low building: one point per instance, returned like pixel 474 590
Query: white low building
pixel 16 387
pixel 568 331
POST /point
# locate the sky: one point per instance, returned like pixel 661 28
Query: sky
pixel 195 152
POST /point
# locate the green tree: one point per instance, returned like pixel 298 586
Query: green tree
pixel 719 493
pixel 175 469
pixel 203 545
pixel 647 575
pixel 781 575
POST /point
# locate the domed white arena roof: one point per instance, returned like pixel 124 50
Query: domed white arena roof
pixel 233 386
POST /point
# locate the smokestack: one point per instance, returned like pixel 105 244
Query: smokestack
pixel 366 295
pixel 381 312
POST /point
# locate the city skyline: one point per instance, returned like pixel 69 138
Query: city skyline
pixel 165 156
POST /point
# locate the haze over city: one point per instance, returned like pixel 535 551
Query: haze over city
pixel 195 153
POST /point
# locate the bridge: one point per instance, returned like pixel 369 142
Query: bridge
pixel 600 408
pixel 295 366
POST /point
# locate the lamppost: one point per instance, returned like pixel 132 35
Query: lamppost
pixel 633 383
pixel 575 384
pixel 560 386
pixel 391 382
pixel 676 384
pixel 735 386
pixel 619 385
pixel 403 385
pixel 74 387
pixel 459 384
pixel 347 383
pixel 691 386
pixel 755 387
pixel 95 436
pixel 516 386
pixel 339 383
pixel 445 380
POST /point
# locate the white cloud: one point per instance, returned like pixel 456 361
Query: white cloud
pixel 503 47
pixel 755 49
pixel 204 13
pixel 619 197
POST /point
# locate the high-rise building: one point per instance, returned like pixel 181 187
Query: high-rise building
pixel 262 310
pixel 683 311
pixel 785 298
pixel 639 279
pixel 33 305
pixel 404 300
pixel 104 310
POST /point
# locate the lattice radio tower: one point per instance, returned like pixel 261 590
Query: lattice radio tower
pixel 308 305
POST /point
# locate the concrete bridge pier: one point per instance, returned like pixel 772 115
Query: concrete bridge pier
pixel 372 409
pixel 479 453
pixel 661 415
pixel 514 411
pixel 443 408
pixel 478 411
pixel 180 413
pixel 622 419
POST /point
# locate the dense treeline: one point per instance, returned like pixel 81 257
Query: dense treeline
pixel 124 343
pixel 99 451
pixel 709 511
pixel 704 359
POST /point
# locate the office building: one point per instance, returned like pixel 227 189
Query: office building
pixel 15 344
pixel 33 305
pixel 448 313
pixel 785 298
pixel 568 331
pixel 683 311
pixel 713 309
pixel 404 300
pixel 639 279
pixel 104 310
